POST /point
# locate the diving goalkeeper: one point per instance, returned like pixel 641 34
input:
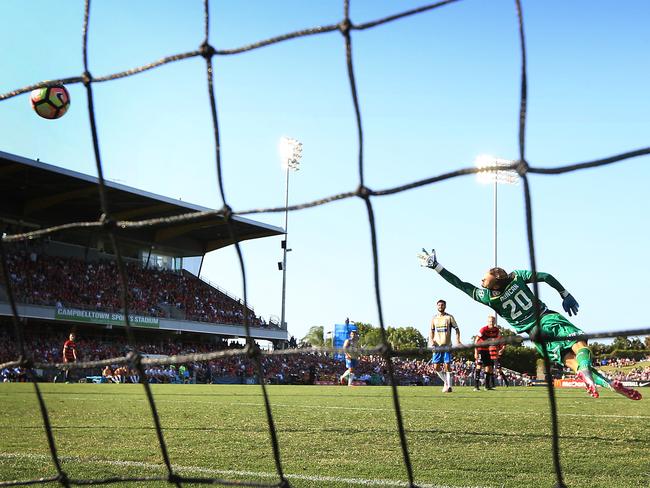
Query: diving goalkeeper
pixel 509 296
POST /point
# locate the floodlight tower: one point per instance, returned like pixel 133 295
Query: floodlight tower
pixel 290 153
pixel 490 172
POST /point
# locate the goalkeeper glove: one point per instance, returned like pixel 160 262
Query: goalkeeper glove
pixel 428 260
pixel 569 304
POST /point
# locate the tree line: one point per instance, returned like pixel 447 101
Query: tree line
pixel 623 347
pixel 370 336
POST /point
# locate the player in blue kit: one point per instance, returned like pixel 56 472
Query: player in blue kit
pixel 351 357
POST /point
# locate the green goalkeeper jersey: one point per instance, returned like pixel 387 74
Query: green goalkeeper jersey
pixel 516 303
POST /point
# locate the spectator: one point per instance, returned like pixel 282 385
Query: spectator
pixel 107 375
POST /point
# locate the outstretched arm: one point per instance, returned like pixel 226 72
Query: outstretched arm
pixel 569 304
pixel 547 278
pixel 429 260
pixel 472 291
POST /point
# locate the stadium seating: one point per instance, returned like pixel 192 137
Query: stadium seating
pixel 40 279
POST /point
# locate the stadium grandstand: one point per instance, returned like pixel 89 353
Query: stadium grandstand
pixel 69 281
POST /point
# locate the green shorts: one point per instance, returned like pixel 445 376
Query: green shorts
pixel 556 325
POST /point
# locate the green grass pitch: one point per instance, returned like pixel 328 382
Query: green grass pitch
pixel 329 436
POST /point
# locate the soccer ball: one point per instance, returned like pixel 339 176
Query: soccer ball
pixel 50 102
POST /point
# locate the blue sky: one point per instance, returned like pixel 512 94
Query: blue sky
pixel 436 90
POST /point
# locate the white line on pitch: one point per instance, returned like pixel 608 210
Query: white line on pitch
pixel 224 472
pixel 406 410
pixel 380 409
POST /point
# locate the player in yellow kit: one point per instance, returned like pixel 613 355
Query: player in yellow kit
pixel 440 335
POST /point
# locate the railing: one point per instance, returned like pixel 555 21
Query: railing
pixel 221 290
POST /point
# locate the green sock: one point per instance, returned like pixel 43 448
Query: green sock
pixel 599 379
pixel 583 356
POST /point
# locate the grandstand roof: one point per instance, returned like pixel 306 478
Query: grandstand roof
pixel 35 195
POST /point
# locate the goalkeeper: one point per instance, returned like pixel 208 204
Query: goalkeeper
pixel 509 296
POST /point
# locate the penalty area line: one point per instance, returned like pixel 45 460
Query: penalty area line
pixel 227 472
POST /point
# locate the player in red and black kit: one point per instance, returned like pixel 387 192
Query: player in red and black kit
pixel 484 355
pixel 495 353
pixel 69 354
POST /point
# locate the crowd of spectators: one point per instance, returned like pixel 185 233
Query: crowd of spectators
pixel 40 279
pixel 45 347
pixel 635 374
pixel 302 368
pixel 619 362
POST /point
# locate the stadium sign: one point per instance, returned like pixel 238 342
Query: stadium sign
pixel 570 383
pixel 105 318
pixel 636 384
